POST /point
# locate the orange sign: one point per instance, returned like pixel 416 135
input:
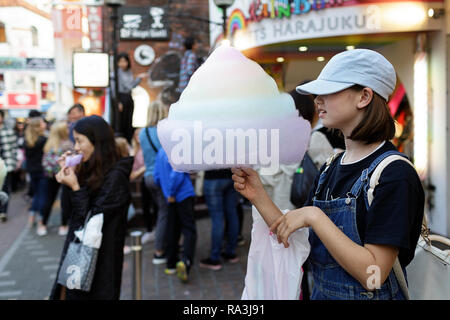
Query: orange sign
pixel 67 23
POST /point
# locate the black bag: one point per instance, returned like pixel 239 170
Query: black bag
pixel 303 181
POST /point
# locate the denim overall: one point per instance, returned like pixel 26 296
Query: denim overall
pixel 331 281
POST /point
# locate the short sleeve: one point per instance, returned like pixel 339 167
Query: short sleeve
pixel 397 207
pixel 319 148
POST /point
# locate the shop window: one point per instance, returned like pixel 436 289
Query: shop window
pixel 34 36
pixel 48 91
pixel 2 32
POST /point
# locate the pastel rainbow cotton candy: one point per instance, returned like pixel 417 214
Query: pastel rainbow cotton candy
pixel 232 114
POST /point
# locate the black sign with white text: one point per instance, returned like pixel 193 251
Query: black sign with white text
pixel 143 23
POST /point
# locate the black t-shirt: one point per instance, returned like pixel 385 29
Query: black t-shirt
pixel 34 155
pixel 395 215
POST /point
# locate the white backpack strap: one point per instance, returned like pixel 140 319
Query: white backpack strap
pixel 377 173
pixel 372 184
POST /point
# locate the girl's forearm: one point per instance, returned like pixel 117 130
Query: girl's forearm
pixel 267 208
pixel 353 258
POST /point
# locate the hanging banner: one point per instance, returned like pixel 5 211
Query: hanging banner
pixel 94 15
pixel 67 23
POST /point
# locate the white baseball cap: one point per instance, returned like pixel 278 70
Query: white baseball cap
pixel 360 66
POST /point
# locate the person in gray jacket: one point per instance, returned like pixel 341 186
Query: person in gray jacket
pixel 126 104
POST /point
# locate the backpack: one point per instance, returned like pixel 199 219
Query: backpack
pixel 303 181
pixel 428 272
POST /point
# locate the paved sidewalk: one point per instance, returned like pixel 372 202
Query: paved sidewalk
pixel 17 220
pixel 204 284
pixel 28 263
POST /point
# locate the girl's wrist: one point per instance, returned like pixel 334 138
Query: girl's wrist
pixel 313 216
pixel 260 198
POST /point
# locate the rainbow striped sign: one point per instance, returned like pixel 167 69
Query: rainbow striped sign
pixel 236 21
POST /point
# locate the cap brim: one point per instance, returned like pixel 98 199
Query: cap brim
pixel 322 87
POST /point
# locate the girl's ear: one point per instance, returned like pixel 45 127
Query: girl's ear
pixel 365 98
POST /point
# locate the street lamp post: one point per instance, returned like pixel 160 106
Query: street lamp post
pixel 224 4
pixel 114 5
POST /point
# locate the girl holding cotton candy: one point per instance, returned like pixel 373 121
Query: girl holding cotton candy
pixel 353 244
pixel 98 183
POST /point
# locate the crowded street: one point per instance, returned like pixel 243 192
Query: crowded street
pixel 29 263
pixel 224 150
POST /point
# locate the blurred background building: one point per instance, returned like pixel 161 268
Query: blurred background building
pixel 291 39
pixel 27 65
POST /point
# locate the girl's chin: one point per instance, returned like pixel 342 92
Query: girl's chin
pixel 325 123
pixel 329 124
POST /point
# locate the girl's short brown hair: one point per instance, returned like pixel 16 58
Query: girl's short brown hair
pixel 377 123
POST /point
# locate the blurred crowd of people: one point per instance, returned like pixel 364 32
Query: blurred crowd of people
pixel 126 171
pixel 32 160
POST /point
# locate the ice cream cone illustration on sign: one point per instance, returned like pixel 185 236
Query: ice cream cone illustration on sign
pixel 231 114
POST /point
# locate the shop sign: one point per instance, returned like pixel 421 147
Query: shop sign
pixel 27 63
pixel 94 15
pixel 90 69
pixel 12 63
pixel 301 19
pixel 259 10
pixel 143 23
pixel 262 9
pixel 22 100
pixel 67 23
pixel 40 63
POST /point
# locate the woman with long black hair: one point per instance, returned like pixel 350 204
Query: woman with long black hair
pixel 98 184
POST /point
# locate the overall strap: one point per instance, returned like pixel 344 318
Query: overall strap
pixel 372 184
pixel 357 186
pixel 323 174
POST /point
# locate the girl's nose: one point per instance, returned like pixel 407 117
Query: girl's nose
pixel 318 100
